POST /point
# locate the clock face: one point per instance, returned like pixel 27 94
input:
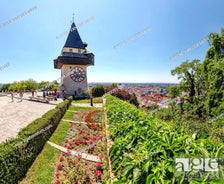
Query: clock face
pixel 78 74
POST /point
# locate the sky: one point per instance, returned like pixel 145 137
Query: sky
pixel 132 40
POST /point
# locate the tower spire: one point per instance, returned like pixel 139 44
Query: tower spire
pixel 73 18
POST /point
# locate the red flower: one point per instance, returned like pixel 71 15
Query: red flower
pixel 61 159
pixel 59 167
pixel 97 173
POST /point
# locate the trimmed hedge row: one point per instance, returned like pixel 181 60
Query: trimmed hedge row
pixel 144 149
pixel 17 154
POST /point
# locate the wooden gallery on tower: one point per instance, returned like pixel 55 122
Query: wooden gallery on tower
pixel 73 62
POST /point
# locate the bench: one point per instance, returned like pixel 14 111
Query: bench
pixel 50 98
pixel 39 99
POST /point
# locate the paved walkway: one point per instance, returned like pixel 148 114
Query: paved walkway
pixel 16 115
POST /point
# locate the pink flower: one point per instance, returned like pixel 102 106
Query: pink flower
pixel 67 152
pixel 57 182
pixel 101 137
pixel 101 157
pixel 57 174
pixel 99 165
pixel 79 157
pixel 68 146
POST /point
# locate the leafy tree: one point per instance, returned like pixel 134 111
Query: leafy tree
pixel 5 87
pixel 213 70
pixel 203 84
pixel 174 91
pixel 27 85
pixel 186 73
pixel 98 90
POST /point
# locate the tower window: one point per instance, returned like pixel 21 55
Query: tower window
pixel 79 51
pixel 70 50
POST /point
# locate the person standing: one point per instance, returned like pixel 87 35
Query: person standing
pixel 44 94
pixel 21 96
pixel 91 100
pixel 12 96
pixel 64 95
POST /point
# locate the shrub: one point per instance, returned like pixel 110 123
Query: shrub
pixel 17 154
pixel 98 90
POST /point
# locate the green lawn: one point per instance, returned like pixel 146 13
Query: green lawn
pixel 95 100
pixel 75 108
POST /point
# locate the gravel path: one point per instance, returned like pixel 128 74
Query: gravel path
pixel 16 115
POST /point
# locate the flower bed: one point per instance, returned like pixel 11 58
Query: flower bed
pixel 83 139
pixel 93 119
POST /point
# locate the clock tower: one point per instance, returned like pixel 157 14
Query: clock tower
pixel 73 62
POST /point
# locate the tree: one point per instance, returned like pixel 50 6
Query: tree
pixel 186 72
pixel 174 91
pixel 98 90
pixel 213 70
pixel 5 87
pixel 203 82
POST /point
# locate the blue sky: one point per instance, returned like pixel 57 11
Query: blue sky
pixel 29 44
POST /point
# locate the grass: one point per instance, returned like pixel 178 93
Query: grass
pixel 75 108
pixel 42 169
pixel 95 100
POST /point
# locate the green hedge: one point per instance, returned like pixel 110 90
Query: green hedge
pixel 17 154
pixel 144 148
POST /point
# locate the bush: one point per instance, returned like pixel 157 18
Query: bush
pixel 17 154
pixel 125 95
pixel 144 148
pixel 98 90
